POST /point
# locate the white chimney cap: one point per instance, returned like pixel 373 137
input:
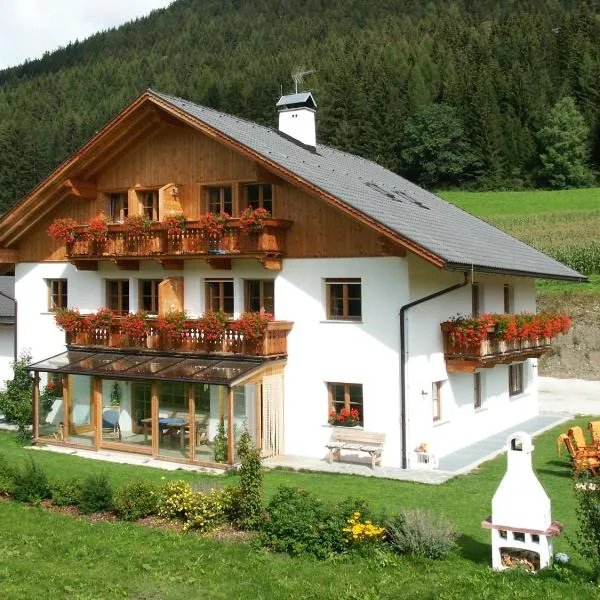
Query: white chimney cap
pixel 305 99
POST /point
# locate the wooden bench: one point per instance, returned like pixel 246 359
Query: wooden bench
pixel 357 440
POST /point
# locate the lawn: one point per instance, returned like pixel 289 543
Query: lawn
pixel 47 555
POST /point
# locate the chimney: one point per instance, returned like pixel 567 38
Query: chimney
pixel 297 117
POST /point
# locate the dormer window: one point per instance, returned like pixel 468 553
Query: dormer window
pixel 219 199
pixel 259 195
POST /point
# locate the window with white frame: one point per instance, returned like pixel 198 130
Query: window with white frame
pixel 344 299
pixel 515 379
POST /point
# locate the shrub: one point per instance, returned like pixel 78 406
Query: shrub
pixel 6 477
pixel 30 483
pixel 421 532
pixel 250 497
pixel 66 493
pixel 197 510
pixel 587 492
pixel 298 522
pixel 96 494
pixel 136 500
pixel 220 442
pixel 15 400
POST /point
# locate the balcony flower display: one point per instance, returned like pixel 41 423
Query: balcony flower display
pixel 213 224
pixel 101 320
pixel 98 229
pixel 138 225
pixel 347 417
pixel 213 325
pixel 175 224
pixel 68 319
pixel 472 330
pixel 252 325
pixel 253 220
pixel 173 323
pixel 63 229
pixel 135 325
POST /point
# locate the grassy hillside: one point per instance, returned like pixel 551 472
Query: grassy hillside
pixel 566 225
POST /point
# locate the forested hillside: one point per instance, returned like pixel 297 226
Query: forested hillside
pixel 469 92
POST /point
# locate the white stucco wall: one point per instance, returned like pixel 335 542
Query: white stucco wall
pixel 461 424
pixel 320 351
pixel 7 348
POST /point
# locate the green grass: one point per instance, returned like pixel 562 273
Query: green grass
pixel 46 555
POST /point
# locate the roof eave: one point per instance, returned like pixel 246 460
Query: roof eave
pixel 454 266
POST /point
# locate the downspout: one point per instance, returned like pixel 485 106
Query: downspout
pixel 403 310
pixel 15 336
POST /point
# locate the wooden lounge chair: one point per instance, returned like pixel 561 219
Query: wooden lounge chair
pixel 594 427
pixel 582 460
pixel 580 443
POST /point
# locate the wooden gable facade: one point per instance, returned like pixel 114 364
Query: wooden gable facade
pixel 147 149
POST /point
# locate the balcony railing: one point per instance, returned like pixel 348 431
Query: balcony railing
pixel 491 351
pixel 193 241
pixel 190 341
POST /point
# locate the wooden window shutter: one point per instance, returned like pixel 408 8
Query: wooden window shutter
pixel 170 295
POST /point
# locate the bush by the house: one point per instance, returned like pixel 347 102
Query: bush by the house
pixel 196 510
pixel 96 494
pixel 136 500
pixel 421 532
pixel 6 477
pixel 250 497
pixel 587 492
pixel 66 493
pixel 15 400
pixel 30 483
pixel 298 522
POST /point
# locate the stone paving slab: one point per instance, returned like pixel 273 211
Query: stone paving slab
pixel 466 459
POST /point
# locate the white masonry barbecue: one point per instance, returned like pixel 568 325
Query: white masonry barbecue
pixel 522 529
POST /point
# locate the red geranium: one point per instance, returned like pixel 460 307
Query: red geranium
pixel 175 224
pixel 68 319
pixel 139 225
pixel 213 223
pixel 253 219
pixel 136 324
pixel 98 229
pixel 213 325
pixel 173 323
pixel 101 320
pixel 63 229
pixel 347 417
pixel 252 325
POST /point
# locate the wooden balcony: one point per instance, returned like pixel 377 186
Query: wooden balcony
pixel 126 249
pixel 490 352
pixel 191 341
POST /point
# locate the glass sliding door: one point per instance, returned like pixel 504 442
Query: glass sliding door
pixel 211 423
pixel 244 414
pixel 51 420
pixel 173 420
pixel 81 428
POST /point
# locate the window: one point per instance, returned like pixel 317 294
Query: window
pixel 117 295
pixel 219 199
pixel 515 379
pixel 436 397
pixel 117 206
pixel 508 299
pixel 148 292
pixel 149 204
pixel 475 299
pixel 477 390
pixel 260 295
pixel 57 294
pixel 259 195
pixel 346 395
pixel 344 299
pixel 219 295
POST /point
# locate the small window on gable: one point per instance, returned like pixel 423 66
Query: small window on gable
pixel 117 206
pixel 344 299
pixel 259 195
pixel 149 204
pixel 57 294
pixel 218 199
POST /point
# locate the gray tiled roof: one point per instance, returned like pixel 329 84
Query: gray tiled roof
pixel 460 239
pixel 7 308
pixel 300 98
